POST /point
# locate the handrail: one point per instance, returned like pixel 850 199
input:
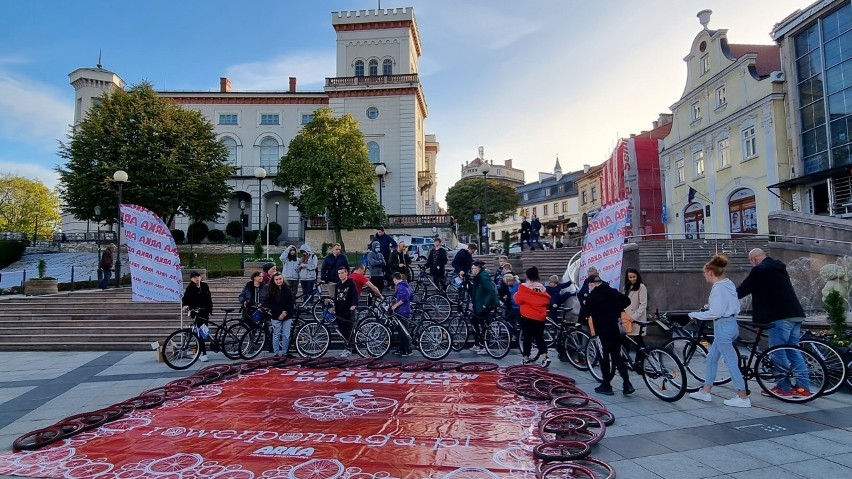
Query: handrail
pixel 771 238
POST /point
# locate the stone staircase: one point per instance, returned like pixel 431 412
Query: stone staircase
pixel 692 254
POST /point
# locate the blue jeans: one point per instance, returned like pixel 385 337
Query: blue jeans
pixel 281 336
pixel 104 284
pixel 725 331
pixel 307 287
pixel 788 332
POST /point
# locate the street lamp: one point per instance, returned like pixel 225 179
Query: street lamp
pixel 485 168
pixel 98 241
pixel 35 231
pixel 381 171
pixel 119 177
pixel 242 230
pixel 260 174
pixel 276 213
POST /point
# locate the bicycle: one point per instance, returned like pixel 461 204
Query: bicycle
pixel 437 302
pixel 373 336
pixel 181 349
pixel 836 369
pixel 661 371
pixel 313 302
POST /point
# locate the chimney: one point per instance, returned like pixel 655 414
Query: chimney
pixel 655 124
pixel 508 163
pixel 224 85
pixel 665 118
pixel 292 84
pixel 633 135
pixel 586 168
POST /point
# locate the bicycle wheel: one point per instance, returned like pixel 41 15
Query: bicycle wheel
pixel 372 340
pixel 229 342
pixel 438 306
pixel 808 382
pixel 847 360
pixel 452 293
pixel 312 340
pixel 834 365
pixel 693 356
pixel 593 358
pixel 181 349
pixel 457 327
pixel 252 342
pixel 497 338
pixel 561 450
pixel 551 333
pixel 318 306
pixel 575 348
pixel 434 342
pixel 664 374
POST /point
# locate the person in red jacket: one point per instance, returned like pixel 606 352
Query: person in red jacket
pixel 533 300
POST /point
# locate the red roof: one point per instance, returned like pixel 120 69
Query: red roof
pixel 657 133
pixel 768 56
pixel 476 162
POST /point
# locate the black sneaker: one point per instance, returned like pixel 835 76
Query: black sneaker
pixel 545 362
pixel 628 389
pixel 406 354
pixel 562 358
pixel 607 390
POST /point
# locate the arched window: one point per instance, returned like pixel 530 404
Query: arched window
pixel 374 68
pixel 387 67
pixel 231 145
pixel 269 154
pixel 373 152
pixel 742 213
pixel 359 68
pixel 693 221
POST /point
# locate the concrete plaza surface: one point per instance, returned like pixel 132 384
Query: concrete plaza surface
pixel 650 439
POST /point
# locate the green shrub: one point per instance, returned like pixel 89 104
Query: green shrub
pixel 835 310
pixel 196 232
pixel 178 236
pixel 216 236
pixel 251 236
pixel 324 249
pixel 258 248
pixel 234 229
pixel 274 232
pixel 11 251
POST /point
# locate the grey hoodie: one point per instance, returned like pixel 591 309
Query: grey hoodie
pixel 723 302
pixel 307 266
pixel 290 267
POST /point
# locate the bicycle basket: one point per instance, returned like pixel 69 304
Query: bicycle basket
pixel 328 316
pixel 458 281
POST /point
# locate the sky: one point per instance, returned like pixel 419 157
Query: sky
pixel 527 80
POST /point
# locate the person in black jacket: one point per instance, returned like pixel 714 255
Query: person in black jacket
pixel 278 298
pixel 399 261
pixel 774 301
pixel 437 262
pixel 603 307
pixel 197 295
pixel 584 293
pixel 464 260
pixel 526 229
pixel 345 303
pixel 332 263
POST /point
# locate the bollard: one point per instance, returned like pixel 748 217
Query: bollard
pixel 23 280
pixel 72 278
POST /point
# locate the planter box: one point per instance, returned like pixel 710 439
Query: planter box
pixel 37 287
pixel 185 272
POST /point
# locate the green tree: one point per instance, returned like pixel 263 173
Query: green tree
pixel 326 168
pixel 22 200
pixel 467 198
pixel 173 160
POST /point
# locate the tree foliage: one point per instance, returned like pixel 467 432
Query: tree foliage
pixel 467 198
pixel 22 200
pixel 327 168
pixel 174 162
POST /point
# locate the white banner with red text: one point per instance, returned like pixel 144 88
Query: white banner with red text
pixel 153 256
pixel 604 242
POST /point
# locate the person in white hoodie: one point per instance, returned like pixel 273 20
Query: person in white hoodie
pixel 722 310
pixel 307 269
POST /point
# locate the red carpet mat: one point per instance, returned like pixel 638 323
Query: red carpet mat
pixel 297 423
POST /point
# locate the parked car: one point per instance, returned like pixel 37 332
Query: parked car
pixel 451 253
pixel 417 252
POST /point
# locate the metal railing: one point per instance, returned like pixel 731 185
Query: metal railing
pixel 372 80
pixel 320 222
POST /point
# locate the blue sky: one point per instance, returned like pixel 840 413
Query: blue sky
pixel 525 79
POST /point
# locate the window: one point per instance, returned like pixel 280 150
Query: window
pixel 373 152
pixel 387 67
pixel 535 210
pixel 269 153
pixel 594 193
pixel 231 145
pixel 544 210
pixel 374 68
pixel 679 173
pixel 705 64
pixel 749 143
pixel 228 119
pixel 696 111
pixel 526 196
pixel 359 68
pixel 306 118
pixel 564 206
pixel 561 189
pixel 585 198
pixel 721 99
pixel 96 101
pixel 271 119
pixel 527 212
pixel 547 191
pixel 372 113
pixel 698 163
pixel 556 208
pixel 724 153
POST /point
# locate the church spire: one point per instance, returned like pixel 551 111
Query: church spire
pixel 557 170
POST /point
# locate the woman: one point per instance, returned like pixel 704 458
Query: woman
pixel 723 309
pixel 399 260
pixel 290 266
pixel 603 308
pixel 376 262
pixel 484 298
pixel 635 289
pixel 279 301
pixel 532 299
pixel 307 270
pixel 251 294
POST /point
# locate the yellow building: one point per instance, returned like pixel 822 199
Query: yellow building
pixel 728 140
pixel 589 193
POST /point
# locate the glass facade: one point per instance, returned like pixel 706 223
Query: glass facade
pixel 824 79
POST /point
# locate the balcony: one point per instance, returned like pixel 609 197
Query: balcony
pixel 411 78
pixel 425 178
pixel 398 221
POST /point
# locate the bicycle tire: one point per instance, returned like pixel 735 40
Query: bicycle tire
pixel 566 470
pixel 693 356
pixel 526 390
pixel 574 345
pixel 252 343
pixel 459 332
pixel 663 374
pixel 372 340
pixel 312 340
pixel 567 403
pixel 835 367
pixel 148 401
pixel 573 426
pixel 604 415
pixel 229 342
pixel 847 360
pixel 593 356
pixel 37 439
pixel 415 366
pixel 90 420
pixel 497 339
pixel 817 376
pixel 477 367
pixel 564 390
pixel 441 366
pixel 598 468
pixel 509 383
pixel 181 349
pixel 434 342
pixel 561 450
pixel 384 364
pixel 439 307
pixel 170 392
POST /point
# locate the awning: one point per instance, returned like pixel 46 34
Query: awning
pixel 811 178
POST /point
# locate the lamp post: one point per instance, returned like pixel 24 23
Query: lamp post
pixel 260 174
pixel 98 241
pixel 242 230
pixel 485 168
pixel 381 171
pixel 276 213
pixel 35 231
pixel 119 177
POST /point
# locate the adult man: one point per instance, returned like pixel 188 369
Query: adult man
pixel 197 295
pixel 105 265
pixel 399 260
pixel 583 294
pixel 345 302
pixel 464 260
pixel 437 262
pixel 378 265
pixel 775 302
pixel 535 226
pixel 332 263
pixel 526 228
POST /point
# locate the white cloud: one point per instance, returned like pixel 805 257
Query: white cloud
pixel 309 68
pixel 32 112
pixel 32 171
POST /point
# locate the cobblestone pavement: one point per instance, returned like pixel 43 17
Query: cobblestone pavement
pixel 650 439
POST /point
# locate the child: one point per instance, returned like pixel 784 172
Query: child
pixel 557 297
pixel 402 307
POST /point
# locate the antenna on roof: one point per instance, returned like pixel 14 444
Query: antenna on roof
pixel 380 4
pixel 100 51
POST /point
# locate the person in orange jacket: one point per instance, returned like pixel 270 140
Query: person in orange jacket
pixel 533 299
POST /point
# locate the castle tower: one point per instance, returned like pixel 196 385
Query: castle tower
pixel 377 83
pixel 89 84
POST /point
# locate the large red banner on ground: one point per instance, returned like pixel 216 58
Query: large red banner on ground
pixel 310 424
